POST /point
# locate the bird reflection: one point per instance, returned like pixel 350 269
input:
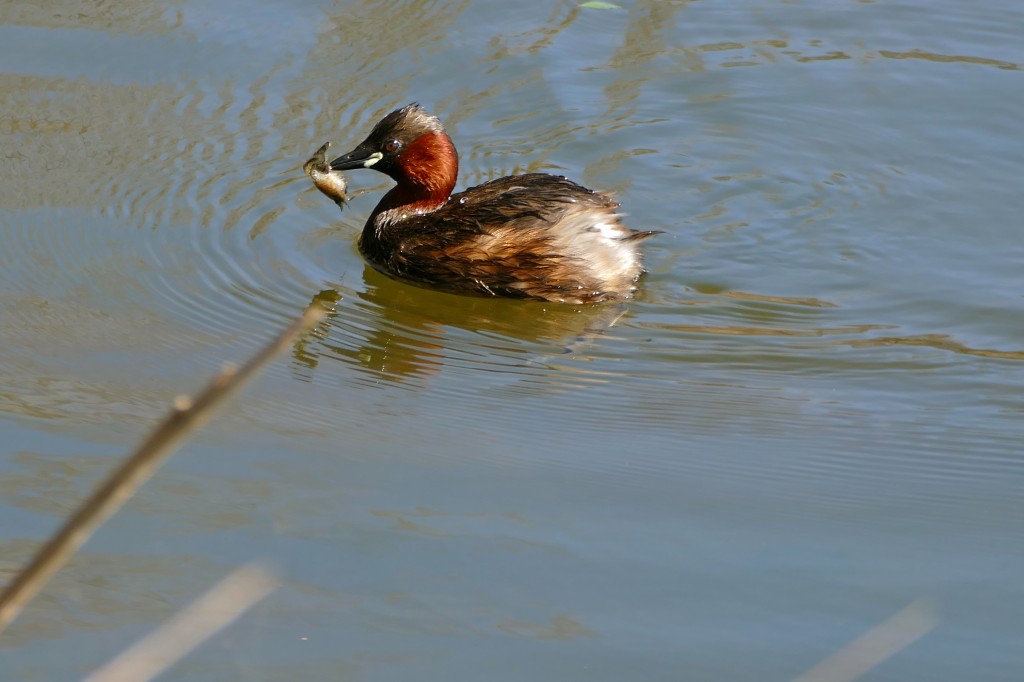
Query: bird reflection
pixel 402 333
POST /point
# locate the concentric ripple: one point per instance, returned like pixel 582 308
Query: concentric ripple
pixel 186 230
pixel 809 416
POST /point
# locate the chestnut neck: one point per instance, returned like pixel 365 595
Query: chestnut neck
pixel 426 173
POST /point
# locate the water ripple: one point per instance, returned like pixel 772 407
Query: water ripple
pixel 185 227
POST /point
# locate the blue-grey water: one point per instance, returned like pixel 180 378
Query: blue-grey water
pixel 811 416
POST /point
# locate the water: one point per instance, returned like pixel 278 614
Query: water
pixel 809 418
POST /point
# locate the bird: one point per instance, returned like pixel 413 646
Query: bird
pixel 532 236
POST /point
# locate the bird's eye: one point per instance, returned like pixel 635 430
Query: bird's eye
pixel 392 146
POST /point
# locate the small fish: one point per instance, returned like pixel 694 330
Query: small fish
pixel 331 182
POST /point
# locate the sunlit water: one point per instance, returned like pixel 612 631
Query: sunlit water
pixel 810 417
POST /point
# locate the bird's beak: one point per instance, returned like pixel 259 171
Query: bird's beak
pixel 363 156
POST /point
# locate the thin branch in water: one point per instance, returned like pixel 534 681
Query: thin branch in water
pixel 186 416
pixel 881 642
pixel 224 603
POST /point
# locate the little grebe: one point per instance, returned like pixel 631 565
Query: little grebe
pixel 535 236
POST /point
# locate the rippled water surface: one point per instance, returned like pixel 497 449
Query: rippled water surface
pixel 810 417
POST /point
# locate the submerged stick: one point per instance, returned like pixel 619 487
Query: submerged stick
pixel 876 645
pixel 186 416
pixel 220 606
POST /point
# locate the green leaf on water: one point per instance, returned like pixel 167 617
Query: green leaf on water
pixel 599 4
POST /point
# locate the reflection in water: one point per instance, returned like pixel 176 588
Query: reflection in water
pixel 99 591
pixel 931 56
pixel 51 487
pixel 399 332
pixel 938 341
pixel 558 627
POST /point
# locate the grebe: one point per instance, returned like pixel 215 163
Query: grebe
pixel 536 236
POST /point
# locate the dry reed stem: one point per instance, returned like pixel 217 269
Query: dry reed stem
pixel 186 416
pixel 190 627
pixel 876 645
